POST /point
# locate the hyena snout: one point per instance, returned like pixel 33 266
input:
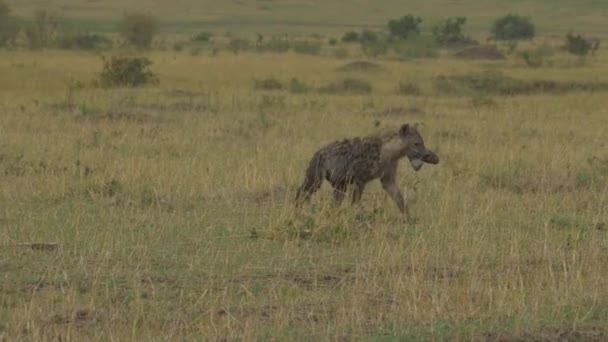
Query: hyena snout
pixel 421 156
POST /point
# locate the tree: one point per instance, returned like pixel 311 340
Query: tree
pixel 513 27
pixel 9 26
pixel 404 26
pixel 138 29
pixel 578 45
pixel 449 31
pixel 43 30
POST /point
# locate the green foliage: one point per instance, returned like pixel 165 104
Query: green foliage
pixel 83 41
pixel 202 37
pixel 307 47
pixel 237 45
pixel 268 84
pixel 43 30
pixel 449 31
pixel 404 26
pixel 577 45
pixel 511 27
pixel 126 72
pixel 138 29
pixel 9 26
pixel 332 42
pixel 368 36
pixel 350 37
pixel 298 87
pixel 533 59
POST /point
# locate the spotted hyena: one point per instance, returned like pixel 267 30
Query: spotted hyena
pixel 358 161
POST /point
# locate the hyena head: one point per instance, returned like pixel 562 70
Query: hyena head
pixel 414 147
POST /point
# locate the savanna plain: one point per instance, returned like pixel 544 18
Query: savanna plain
pixel 171 204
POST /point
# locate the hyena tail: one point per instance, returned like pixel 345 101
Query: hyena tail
pixel 312 179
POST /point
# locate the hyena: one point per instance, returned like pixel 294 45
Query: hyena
pixel 358 161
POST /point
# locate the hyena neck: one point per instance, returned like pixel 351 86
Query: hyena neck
pixel 393 148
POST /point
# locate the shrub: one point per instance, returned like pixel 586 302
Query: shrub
pixel 298 87
pixel 126 71
pixel 368 36
pixel 84 41
pixel 350 37
pixel 268 84
pixel 512 27
pixel 9 26
pixel 577 45
pixel 404 26
pixel 332 42
pixel 449 31
pixel 203 37
pixel 533 59
pixel 42 31
pixel 237 45
pixel 353 86
pixel 307 47
pixel 138 29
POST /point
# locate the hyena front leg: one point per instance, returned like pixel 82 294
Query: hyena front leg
pixel 339 192
pixel 357 192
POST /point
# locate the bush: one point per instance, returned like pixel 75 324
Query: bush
pixel 9 26
pixel 43 30
pixel 350 37
pixel 127 72
pixel 513 27
pixel 332 42
pixel 237 45
pixel 203 37
pixel 138 29
pixel 307 47
pixel 449 31
pixel 268 84
pixel 533 59
pixel 577 45
pixel 352 86
pixel 368 36
pixel 405 26
pixel 298 87
pixel 84 41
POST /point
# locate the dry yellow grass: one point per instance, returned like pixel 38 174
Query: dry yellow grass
pixel 172 205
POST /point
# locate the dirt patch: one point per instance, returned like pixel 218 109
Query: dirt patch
pixel 480 52
pixel 361 66
pixel 548 334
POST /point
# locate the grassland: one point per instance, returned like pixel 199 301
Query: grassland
pixel 172 202
pixel 552 17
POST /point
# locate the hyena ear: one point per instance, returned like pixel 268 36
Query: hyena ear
pixel 404 130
